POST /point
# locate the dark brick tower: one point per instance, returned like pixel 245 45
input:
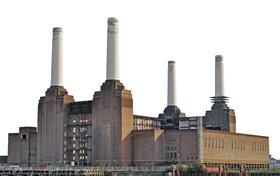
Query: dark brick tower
pixel 112 124
pixel 171 115
pixel 112 111
pixel 52 110
pixel 221 117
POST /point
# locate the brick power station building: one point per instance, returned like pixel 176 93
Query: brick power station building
pixel 104 131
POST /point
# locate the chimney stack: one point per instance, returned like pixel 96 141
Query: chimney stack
pixel 219 76
pixel 112 50
pixel 171 94
pixel 57 58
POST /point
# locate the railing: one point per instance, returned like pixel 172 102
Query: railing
pixel 107 168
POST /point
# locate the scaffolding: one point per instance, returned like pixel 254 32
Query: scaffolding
pixel 145 123
pixel 78 134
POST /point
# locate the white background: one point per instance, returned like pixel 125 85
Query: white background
pixel 246 33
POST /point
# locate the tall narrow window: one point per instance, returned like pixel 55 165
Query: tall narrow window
pixel 23 136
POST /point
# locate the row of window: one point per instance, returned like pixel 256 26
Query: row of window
pixel 171 148
pixel 78 119
pixel 81 158
pixel 214 143
pixel 85 144
pixel 260 147
pixel 237 166
pixel 80 130
pixel 175 156
pixel 82 155
pixel 171 156
pixel 145 124
pixel 238 145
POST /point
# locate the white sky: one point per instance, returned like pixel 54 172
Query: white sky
pixel 246 33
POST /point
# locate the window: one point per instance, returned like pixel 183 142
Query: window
pixel 216 143
pixel 83 129
pixel 23 136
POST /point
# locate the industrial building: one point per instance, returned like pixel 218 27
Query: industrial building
pixel 103 131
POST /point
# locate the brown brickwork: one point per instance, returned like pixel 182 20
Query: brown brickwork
pixel 52 114
pixel 112 123
pixel 22 147
pixel 104 131
pixel 161 147
pixel 235 148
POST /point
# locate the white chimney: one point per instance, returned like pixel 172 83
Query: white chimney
pixel 219 76
pixel 57 58
pixel 171 92
pixel 112 50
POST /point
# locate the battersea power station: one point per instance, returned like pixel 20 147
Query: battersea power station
pixel 103 131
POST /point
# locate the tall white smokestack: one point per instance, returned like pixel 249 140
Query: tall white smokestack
pixel 112 50
pixel 171 94
pixel 57 58
pixel 219 76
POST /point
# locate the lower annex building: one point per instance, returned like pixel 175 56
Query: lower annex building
pixel 104 131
